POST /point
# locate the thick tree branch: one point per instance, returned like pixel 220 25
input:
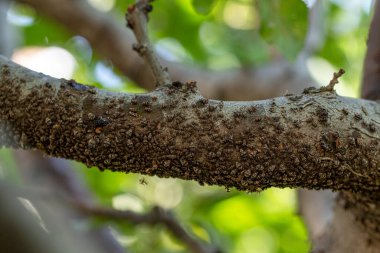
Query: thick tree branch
pixel 316 140
pixel 156 216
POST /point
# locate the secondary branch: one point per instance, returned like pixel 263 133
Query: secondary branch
pixel 137 19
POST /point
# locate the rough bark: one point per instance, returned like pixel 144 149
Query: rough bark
pixel 248 84
pixel 315 140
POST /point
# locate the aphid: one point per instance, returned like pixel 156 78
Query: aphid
pixel 48 121
pixel 211 108
pixel 143 181
pixel 358 117
pixel 134 100
pixel 90 116
pixel 191 84
pixel 202 101
pixel 372 127
pixel 133 114
pixel 146 103
pixel 91 90
pixel 140 49
pixel 252 109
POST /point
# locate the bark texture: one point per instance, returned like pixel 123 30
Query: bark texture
pixel 315 140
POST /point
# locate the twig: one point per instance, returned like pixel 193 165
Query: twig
pixel 334 80
pixel 157 215
pixel 137 18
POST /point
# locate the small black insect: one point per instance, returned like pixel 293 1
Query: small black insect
pixel 148 8
pixel 100 121
pixel 77 86
pixel 177 84
pixel 143 181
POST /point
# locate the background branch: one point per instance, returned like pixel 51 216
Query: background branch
pixel 371 72
pixel 49 183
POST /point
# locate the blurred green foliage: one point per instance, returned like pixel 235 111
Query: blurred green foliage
pixel 216 35
pixel 284 24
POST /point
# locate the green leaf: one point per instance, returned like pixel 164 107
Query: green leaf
pixel 284 25
pixel 203 7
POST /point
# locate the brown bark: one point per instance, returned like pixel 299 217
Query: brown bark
pixel 316 140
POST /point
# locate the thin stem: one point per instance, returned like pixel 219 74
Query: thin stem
pixel 137 18
pixel 335 80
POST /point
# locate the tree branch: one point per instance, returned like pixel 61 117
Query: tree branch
pixel 137 17
pixel 334 80
pixel 41 175
pixel 156 216
pixel 316 140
